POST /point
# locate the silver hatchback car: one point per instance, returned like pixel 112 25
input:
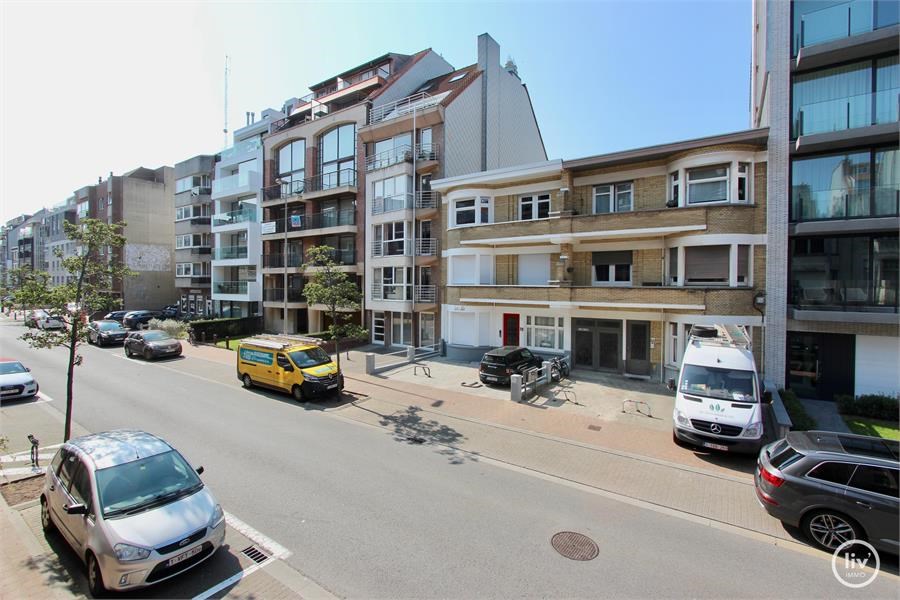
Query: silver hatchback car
pixel 131 507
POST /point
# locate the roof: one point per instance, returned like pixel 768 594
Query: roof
pixel 371 63
pixel 396 73
pixel 844 443
pixel 454 81
pixel 749 136
pixel 503 351
pixel 121 446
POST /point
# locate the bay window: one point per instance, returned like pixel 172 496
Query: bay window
pixel 613 197
pixel 472 211
pixel 706 265
pixel 707 184
pixel 534 207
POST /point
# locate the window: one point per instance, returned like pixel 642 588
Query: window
pixel 534 207
pixel 544 332
pixel 879 480
pixel 378 327
pixel 743 182
pixel 464 212
pixel 80 490
pixel 706 265
pixel 83 208
pixel 183 269
pixel 832 472
pixel 674 346
pixel 67 469
pixel 191 240
pixel 292 167
pixel 611 268
pixel 392 194
pixel 533 269
pixel 401 329
pixel 673 187
pixel 338 162
pixel 395 283
pixel 707 184
pixel 673 266
pixel 743 265
pixel 190 212
pixel 457 77
pixel 613 197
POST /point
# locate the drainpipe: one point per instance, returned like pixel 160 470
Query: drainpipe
pixel 412 315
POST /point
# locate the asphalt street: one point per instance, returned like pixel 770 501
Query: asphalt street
pixel 368 515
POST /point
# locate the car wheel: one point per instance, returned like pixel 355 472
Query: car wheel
pixel 147 354
pixel 46 520
pixel 128 351
pixel 95 577
pixel 248 383
pixel 90 340
pixel 828 530
pixel 297 393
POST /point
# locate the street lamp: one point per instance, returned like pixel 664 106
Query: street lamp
pixel 284 254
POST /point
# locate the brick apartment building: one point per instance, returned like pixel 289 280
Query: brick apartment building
pixel 193 234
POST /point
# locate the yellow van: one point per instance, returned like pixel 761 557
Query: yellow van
pixel 296 365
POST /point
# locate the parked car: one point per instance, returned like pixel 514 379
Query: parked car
pixel 151 344
pixel 42 319
pixel 116 315
pixel 171 311
pixel 835 487
pixel 499 364
pixel 132 508
pixel 106 332
pixel 16 380
pixel 136 318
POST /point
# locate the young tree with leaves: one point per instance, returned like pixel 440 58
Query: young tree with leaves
pixel 334 289
pixel 93 277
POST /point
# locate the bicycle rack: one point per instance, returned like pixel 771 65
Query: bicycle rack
pixel 637 404
pixel 34 450
pixel 426 370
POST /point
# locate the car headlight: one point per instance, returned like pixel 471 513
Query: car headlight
pixel 218 515
pixel 681 418
pixel 127 552
pixel 754 430
pixel 309 377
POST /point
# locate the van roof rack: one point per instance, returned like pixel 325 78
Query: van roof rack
pixel 734 336
pixel 280 342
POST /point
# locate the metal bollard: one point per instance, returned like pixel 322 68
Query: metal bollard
pixel 545 366
pixel 370 363
pixel 515 387
pixel 411 354
pixel 34 450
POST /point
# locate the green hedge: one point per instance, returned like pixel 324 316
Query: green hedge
pixel 205 330
pixel 800 419
pixel 872 406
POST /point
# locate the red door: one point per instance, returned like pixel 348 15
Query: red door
pixel 510 329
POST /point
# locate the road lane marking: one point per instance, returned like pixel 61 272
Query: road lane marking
pixel 275 549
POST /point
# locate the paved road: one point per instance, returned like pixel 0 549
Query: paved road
pixel 366 515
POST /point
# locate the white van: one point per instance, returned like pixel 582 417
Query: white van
pixel 718 402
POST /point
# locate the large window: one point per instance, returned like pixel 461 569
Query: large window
pixel 706 265
pixel 292 167
pixel 845 272
pixel 192 240
pixel 534 207
pixel 821 21
pixel 191 269
pixel 611 268
pixel 613 197
pixel 390 151
pixel 378 326
pixel 389 239
pixel 846 97
pixel 190 212
pixel 337 155
pixel 189 183
pixel 545 332
pixel 392 194
pixel 472 211
pixel 843 186
pixel 707 184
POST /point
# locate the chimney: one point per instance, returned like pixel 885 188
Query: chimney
pixel 511 67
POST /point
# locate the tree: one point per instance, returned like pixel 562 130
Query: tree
pixel 22 282
pixel 94 270
pixel 333 289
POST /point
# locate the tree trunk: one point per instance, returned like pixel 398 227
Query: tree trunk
pixel 73 344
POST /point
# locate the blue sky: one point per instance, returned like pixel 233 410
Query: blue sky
pixel 113 86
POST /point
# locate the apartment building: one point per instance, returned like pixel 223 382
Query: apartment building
pixel 351 165
pixel 193 234
pixel 143 199
pixel 236 194
pixel 57 246
pixel 608 259
pixel 826 81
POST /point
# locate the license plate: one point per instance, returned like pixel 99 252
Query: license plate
pixel 714 446
pixel 490 378
pixel 8 392
pixel 332 386
pixel 184 556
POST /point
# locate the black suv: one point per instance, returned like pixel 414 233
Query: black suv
pixel 136 318
pixel 497 365
pixel 835 486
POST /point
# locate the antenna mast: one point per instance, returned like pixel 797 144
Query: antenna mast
pixel 225 129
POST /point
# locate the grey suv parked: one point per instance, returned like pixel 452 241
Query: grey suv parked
pixel 836 487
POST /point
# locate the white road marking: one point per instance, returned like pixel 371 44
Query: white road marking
pixel 23 471
pixel 228 582
pixel 23 458
pixel 26 453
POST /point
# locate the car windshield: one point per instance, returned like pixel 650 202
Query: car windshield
pixel 145 483
pixel 109 326
pixel 311 357
pixel 714 382
pixel 156 336
pixel 8 368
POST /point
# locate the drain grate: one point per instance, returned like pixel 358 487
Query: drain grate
pixel 575 545
pixel 256 554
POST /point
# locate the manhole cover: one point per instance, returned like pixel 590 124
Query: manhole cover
pixel 574 545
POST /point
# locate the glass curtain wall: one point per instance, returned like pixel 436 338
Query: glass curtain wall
pixel 291 167
pixel 338 157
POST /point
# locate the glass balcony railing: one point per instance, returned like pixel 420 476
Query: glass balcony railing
pixel 241 148
pixel 304 222
pixel 276 261
pixel 277 295
pixel 846 295
pixel 229 252
pixel 818 205
pixel 847 113
pixel 231 287
pixel 235 216
pixel 223 185
pixel 840 20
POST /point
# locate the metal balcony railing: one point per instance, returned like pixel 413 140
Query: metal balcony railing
pixel 428 152
pixel 276 261
pixel 277 295
pixel 230 252
pixel 318 183
pixel 428 199
pixel 390 157
pixel 201 250
pixel 401 107
pixel 427 294
pixel 235 216
pixel 390 248
pixel 231 287
pixel 200 280
pixel 427 246
pixel 306 222
pixel 386 204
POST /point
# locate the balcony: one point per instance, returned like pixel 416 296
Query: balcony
pixel 232 287
pixel 424 294
pixel 396 117
pixel 851 112
pixel 426 201
pixel 841 21
pixel 427 247
pixel 240 152
pixel 310 222
pixel 400 247
pixel 247 182
pixel 325 184
pixel 843 203
pixel 201 250
pixel 234 217
pixel 294 295
pixel 277 261
pixel 201 280
pixel 230 253
pixel 385 159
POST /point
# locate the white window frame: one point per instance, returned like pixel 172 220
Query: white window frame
pixel 726 178
pixel 378 323
pixel 556 330
pixel 612 276
pixel 744 172
pixel 612 191
pixel 534 201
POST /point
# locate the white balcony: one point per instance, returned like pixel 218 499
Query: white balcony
pixel 240 152
pixel 237 291
pixel 239 184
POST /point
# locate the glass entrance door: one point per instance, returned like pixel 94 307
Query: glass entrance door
pixel 820 365
pixel 426 329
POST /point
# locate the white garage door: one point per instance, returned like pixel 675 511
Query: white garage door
pixel 463 329
pixel 534 269
pixel 877 358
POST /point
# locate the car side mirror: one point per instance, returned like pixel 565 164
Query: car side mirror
pixel 28 369
pixel 287 367
pixel 767 397
pixel 670 383
pixel 76 509
pixel 200 470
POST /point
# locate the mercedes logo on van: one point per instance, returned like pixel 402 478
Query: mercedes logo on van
pixel 184 542
pixel 715 428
